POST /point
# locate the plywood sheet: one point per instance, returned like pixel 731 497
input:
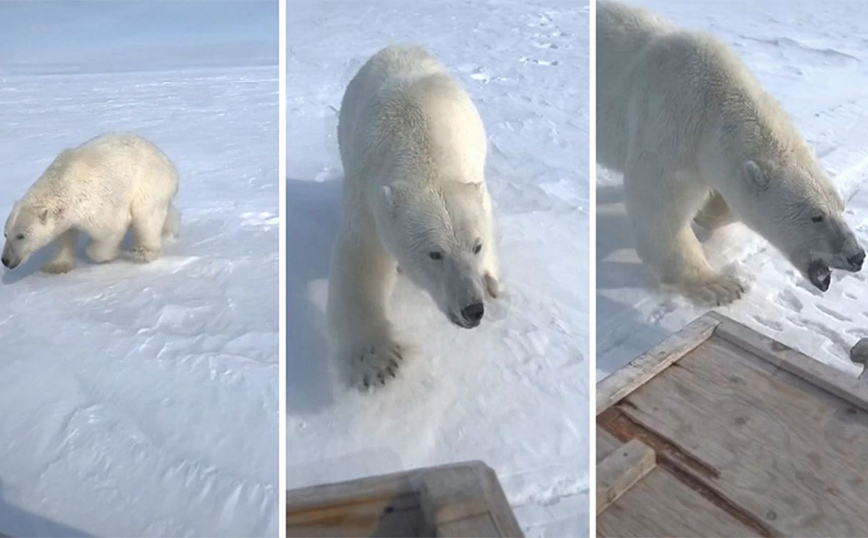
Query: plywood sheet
pixel 661 505
pixel 787 452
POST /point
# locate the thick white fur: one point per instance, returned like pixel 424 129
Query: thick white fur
pixel 413 150
pixel 101 188
pixel 696 137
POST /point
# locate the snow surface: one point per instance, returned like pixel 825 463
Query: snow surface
pixel 513 392
pixel 813 58
pixel 143 399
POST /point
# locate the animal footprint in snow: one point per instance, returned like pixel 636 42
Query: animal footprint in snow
pixel 526 60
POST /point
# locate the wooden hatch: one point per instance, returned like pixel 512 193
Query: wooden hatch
pixel 720 431
pixel 463 499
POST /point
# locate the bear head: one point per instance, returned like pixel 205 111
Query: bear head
pixel 798 210
pixel 28 228
pixel 439 233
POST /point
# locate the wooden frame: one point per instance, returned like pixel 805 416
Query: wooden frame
pixel 642 369
pixel 463 499
pixel 748 437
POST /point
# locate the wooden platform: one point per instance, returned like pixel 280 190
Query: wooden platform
pixel 720 431
pixel 459 500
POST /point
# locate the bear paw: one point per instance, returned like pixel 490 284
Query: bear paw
pixel 376 363
pixel 717 290
pixel 58 267
pixel 492 286
pixel 144 255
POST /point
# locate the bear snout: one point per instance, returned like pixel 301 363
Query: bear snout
pixel 472 314
pixel 856 260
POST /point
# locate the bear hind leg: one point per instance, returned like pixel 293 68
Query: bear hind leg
pixel 715 213
pixel 148 229
pixel 106 248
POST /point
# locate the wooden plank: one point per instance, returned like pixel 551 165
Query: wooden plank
pixel 606 444
pixel 780 449
pixel 398 515
pixel 463 491
pixel 661 505
pixel 382 486
pixel 481 526
pixel 413 503
pixel 838 383
pixel 640 370
pixel 620 470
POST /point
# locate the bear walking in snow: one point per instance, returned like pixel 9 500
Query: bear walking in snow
pixel 697 139
pixel 102 188
pixel 413 150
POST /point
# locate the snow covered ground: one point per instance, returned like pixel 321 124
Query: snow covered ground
pixel 813 58
pixel 143 399
pixel 513 392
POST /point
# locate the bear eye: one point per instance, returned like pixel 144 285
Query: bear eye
pixel 19 237
pixel 818 218
pixel 435 255
pixel 477 248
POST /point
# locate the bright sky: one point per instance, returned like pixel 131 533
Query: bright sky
pixel 92 36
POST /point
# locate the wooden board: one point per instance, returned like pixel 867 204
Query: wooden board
pixel 606 443
pixel 651 363
pixel 661 505
pixel 452 500
pixel 622 468
pixel 751 428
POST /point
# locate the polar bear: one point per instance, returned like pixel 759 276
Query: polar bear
pixel 413 150
pixel 101 188
pixel 697 139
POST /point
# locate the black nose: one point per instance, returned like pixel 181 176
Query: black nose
pixel 857 259
pixel 473 313
pixel 5 262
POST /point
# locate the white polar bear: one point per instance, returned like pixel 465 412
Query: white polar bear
pixel 102 188
pixel 696 137
pixel 413 150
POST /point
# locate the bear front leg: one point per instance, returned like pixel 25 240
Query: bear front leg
pixel 361 280
pixel 660 211
pixel 64 255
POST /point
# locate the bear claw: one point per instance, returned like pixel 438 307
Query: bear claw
pixel 144 255
pixel 719 290
pixel 376 364
pixel 492 286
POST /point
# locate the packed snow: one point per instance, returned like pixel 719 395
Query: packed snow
pixel 812 57
pixel 143 399
pixel 514 392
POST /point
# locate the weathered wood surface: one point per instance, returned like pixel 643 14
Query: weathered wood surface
pixel 661 505
pixel 838 383
pixel 786 451
pixel 622 468
pixel 450 500
pixel 606 444
pixel 651 363
pixel 758 431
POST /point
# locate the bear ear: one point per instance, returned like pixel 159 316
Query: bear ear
pixel 754 176
pixel 43 215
